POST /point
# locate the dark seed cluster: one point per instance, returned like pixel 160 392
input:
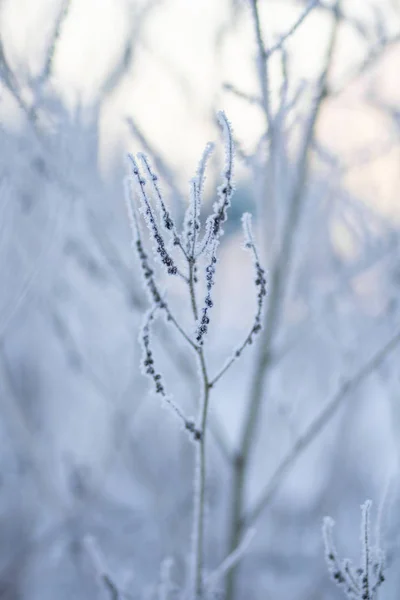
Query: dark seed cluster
pixel 166 259
pixel 192 221
pixel 222 212
pixel 261 284
pixel 148 368
pixel 148 275
pixel 166 217
pixel 205 319
pixel 192 227
pixel 148 360
pixel 191 427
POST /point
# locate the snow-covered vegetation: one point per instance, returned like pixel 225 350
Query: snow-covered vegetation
pixel 182 404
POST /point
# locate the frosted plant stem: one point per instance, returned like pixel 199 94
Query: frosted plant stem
pixel 200 486
pixel 273 314
pixel 200 471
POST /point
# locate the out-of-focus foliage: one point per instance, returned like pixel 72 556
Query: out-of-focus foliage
pixel 86 450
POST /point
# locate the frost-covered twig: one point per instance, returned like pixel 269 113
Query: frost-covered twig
pixel 225 190
pixel 214 224
pixel 193 253
pixel 151 222
pixel 166 218
pixel 148 368
pixel 154 293
pixel 208 303
pixel 361 583
pixel 260 283
pixel 192 223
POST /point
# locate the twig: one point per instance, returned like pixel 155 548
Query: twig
pixel 159 162
pixel 279 44
pixel 373 56
pixel 260 282
pixel 229 87
pixel 101 570
pixel 7 75
pixel 61 17
pixel 279 281
pixel 315 427
pixel 232 559
pixel 111 587
pixel 263 68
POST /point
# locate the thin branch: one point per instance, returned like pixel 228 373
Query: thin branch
pixel 7 75
pixel 137 24
pixel 167 221
pixel 111 588
pixel 61 17
pixel 101 570
pixel 114 261
pixel 316 426
pixel 263 68
pixel 200 469
pixel 279 44
pixel 181 359
pixel 232 559
pixel 280 277
pixel 260 283
pixel 160 164
pixel 372 57
pixel 280 273
pixel 229 87
pixel 155 295
pixel 218 217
